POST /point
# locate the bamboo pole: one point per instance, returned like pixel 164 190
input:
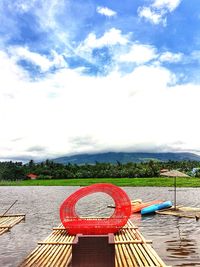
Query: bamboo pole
pixel 12 215
pixel 175 193
pixel 9 208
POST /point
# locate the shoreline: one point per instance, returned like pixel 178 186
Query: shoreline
pixel 131 182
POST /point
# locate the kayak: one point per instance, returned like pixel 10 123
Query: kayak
pixel 155 207
pixel 138 207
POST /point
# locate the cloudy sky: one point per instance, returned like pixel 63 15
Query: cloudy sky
pixel 90 76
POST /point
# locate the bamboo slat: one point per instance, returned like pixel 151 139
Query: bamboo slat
pixel 8 221
pixel 12 215
pixel 3 230
pixel 131 250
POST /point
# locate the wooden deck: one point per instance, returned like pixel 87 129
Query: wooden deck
pixel 131 250
pixel 8 221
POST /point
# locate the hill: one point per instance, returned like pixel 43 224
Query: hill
pixel 123 157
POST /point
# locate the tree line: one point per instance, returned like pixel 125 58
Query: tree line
pixel 51 170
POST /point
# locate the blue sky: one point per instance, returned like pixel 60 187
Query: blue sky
pixel 98 76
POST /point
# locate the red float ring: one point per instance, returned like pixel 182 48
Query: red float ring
pixel 75 224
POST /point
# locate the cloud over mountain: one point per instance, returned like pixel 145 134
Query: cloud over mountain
pixel 83 78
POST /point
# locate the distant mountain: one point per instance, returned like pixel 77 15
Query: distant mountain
pixel 123 157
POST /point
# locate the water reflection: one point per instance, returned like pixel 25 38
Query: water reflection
pixel 183 245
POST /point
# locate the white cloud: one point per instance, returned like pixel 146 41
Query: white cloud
pixel 157 12
pixel 42 61
pixel 140 110
pixel 106 11
pixel 111 37
pixel 149 14
pixel 170 5
pixel 171 57
pixel 139 53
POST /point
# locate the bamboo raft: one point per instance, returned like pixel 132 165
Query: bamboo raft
pixel 131 250
pixel 8 221
pixel 180 211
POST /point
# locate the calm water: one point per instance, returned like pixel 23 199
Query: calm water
pixel 177 240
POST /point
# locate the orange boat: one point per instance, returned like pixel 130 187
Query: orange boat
pixel 139 206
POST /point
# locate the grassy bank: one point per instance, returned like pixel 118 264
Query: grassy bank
pixel 158 181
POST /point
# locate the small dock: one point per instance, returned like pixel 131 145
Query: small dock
pixel 131 250
pixel 8 221
pixel 180 211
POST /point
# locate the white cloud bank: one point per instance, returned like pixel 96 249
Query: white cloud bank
pixel 124 50
pixel 157 12
pixel 67 112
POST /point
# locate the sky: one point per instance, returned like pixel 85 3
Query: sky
pixel 95 76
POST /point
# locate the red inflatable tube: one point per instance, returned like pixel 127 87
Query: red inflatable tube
pixel 75 224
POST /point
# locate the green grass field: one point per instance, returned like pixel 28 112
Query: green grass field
pixel 158 181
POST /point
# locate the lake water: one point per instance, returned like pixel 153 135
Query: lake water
pixel 176 240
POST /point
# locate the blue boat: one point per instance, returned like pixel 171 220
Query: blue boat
pixel 155 207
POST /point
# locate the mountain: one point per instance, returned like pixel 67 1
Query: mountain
pixel 123 157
